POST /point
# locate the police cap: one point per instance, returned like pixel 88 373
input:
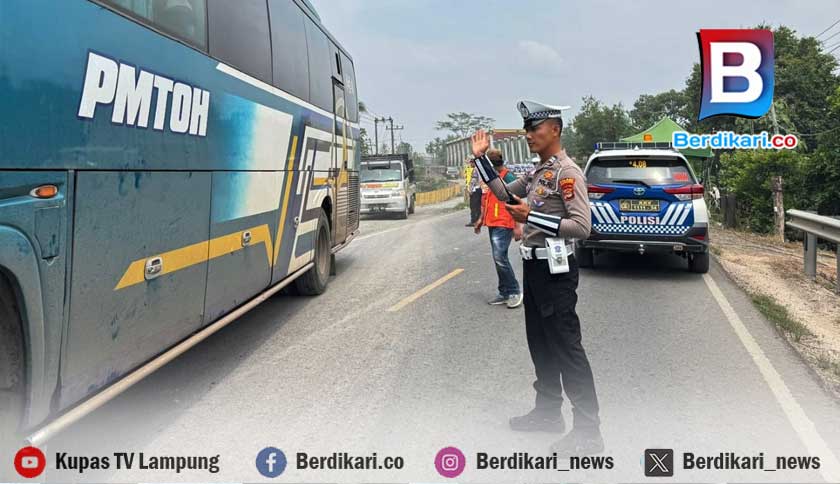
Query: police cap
pixel 534 113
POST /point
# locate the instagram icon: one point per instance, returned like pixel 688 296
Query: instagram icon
pixel 450 462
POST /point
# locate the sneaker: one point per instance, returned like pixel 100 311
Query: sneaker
pixel 578 443
pixel 513 301
pixel 498 300
pixel 539 421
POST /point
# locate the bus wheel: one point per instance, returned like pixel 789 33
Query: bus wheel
pixel 314 281
pixel 11 369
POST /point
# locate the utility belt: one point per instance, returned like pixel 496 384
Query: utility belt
pixel 556 252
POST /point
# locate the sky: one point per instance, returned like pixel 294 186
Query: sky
pixel 417 60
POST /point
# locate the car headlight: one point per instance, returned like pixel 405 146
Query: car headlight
pixel 398 192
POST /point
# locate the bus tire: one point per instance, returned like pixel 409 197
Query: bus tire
pixel 315 280
pixel 12 383
pixel 698 262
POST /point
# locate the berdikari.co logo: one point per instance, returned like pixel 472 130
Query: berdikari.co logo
pixel 737 68
pixel 737 80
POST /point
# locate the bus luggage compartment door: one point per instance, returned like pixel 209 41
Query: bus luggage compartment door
pixel 128 223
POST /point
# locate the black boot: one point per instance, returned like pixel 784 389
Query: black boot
pixel 579 442
pixel 539 420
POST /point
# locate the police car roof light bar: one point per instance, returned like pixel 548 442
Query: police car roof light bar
pixel 628 145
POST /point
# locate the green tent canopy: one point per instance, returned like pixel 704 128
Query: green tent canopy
pixel 662 131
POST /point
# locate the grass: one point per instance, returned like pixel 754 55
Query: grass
pixel 779 315
pixel 826 362
pixel 461 206
pixel 715 250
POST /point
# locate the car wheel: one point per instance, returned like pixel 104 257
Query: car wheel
pixel 585 257
pixel 698 262
pixel 12 384
pixel 315 280
pixel 404 214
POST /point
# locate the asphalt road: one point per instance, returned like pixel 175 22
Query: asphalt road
pixel 681 361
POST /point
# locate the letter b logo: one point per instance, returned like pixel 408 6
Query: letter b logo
pixel 737 68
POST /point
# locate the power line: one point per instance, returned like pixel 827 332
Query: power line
pixel 829 28
pixel 836 46
pixel 830 36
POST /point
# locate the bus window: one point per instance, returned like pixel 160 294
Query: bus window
pixel 239 35
pixel 320 83
pixel 288 36
pixel 350 88
pixel 183 19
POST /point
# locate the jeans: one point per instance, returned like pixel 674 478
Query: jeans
pixel 500 238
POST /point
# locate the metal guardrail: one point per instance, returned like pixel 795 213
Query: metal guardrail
pixel 816 226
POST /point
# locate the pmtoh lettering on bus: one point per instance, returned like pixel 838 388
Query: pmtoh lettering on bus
pixel 129 91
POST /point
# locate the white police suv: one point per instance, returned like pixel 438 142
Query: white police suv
pixel 645 197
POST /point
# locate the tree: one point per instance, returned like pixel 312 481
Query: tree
pixel 597 122
pixel 748 174
pixel 649 109
pixel 364 142
pixel 437 148
pixel 404 148
pixel 462 124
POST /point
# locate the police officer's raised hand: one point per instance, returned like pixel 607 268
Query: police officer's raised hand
pixel 519 211
pixel 480 143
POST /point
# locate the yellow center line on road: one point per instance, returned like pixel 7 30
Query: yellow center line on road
pixel 422 292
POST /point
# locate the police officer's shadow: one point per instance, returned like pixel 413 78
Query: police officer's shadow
pixel 631 265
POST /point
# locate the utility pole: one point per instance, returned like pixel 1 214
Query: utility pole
pixel 376 133
pixel 393 128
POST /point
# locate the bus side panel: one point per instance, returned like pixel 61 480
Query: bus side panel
pixel 243 226
pixel 119 317
pixel 33 254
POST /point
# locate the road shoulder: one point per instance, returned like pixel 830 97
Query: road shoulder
pixel 805 313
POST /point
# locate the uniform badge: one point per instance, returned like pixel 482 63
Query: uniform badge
pixel 568 187
pixel 540 191
pixel 537 203
pixel 549 175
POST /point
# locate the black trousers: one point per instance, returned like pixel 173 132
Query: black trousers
pixel 554 339
pixel 475 206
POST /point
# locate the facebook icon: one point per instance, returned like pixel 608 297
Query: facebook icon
pixel 271 462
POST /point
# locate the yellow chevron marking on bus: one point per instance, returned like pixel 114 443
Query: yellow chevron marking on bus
pixel 178 259
pixel 286 197
pixel 228 244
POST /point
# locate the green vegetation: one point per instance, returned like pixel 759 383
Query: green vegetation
pixel 826 362
pixel 779 316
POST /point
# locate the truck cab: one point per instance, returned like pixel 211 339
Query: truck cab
pixel 387 185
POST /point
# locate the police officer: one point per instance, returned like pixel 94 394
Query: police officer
pixel 552 201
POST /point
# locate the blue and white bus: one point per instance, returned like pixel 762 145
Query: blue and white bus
pixel 163 164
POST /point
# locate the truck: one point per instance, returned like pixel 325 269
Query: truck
pixel 387 185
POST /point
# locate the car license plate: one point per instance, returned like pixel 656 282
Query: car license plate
pixel 639 205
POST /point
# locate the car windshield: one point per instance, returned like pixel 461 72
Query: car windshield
pixel 368 175
pixel 639 171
